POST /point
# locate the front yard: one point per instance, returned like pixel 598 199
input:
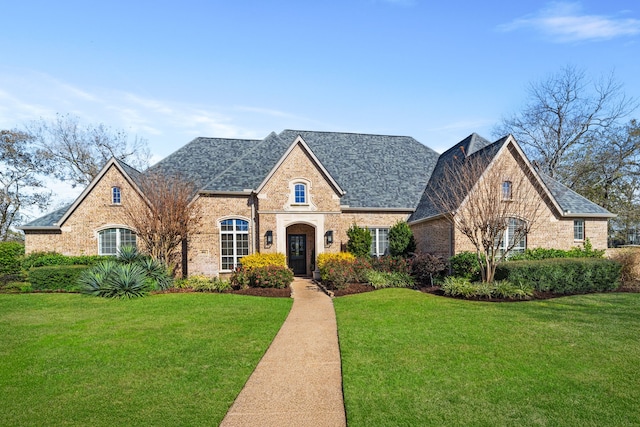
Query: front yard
pixel 411 358
pixel 174 359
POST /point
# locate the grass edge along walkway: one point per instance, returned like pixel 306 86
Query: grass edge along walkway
pixel 298 382
pixel 416 359
pixel 172 359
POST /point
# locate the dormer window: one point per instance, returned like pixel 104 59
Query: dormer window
pixel 300 193
pixel 506 190
pixel 115 195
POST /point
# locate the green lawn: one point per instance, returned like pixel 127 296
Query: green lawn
pixel 173 359
pixel 413 359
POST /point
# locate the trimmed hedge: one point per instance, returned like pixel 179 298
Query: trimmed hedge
pixel 10 253
pixel 260 259
pixel 43 259
pixel 271 276
pixel 56 277
pixel 563 275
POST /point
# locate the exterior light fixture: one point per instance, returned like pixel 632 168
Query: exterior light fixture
pixel 328 237
pixel 269 237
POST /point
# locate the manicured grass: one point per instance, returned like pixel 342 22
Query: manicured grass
pixel 417 359
pixel 173 359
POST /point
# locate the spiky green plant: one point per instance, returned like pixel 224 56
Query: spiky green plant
pixel 157 273
pixel 92 280
pixel 129 254
pixel 127 281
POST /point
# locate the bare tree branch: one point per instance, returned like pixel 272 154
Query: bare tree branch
pixel 562 112
pixel 79 152
pixel 482 198
pixel 166 216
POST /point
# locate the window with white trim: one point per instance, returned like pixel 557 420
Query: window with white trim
pixel 506 190
pixel 379 241
pixel 300 193
pixel 111 240
pixel 578 229
pixel 115 195
pixel 234 242
pixel 513 231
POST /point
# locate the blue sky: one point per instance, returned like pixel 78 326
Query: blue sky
pixel 172 71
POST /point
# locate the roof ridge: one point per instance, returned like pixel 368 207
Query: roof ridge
pixel 348 133
pixel 247 153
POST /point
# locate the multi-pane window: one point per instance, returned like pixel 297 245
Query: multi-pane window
pixel 379 241
pixel 514 231
pixel 578 229
pixel 300 193
pixel 115 195
pixel 234 242
pixel 112 239
pixel 506 190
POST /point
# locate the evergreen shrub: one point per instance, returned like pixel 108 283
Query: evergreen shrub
pixel 56 277
pixel 259 259
pixel 10 254
pixel 563 275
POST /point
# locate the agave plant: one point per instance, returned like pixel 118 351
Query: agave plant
pixel 129 254
pixel 156 272
pixel 127 281
pixel 130 275
pixel 93 280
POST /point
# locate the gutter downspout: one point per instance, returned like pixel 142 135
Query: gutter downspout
pixel 254 235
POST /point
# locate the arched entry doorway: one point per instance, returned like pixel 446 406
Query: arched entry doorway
pixel 301 249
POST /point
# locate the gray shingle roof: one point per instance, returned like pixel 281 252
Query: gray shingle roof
pixel 49 220
pixel 473 145
pixel 571 202
pixel 204 158
pixel 376 171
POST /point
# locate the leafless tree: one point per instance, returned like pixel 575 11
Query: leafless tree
pixel 79 151
pixel 562 112
pixel 165 217
pixel 483 197
pixel 21 185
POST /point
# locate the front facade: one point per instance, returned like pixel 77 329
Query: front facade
pixel 295 193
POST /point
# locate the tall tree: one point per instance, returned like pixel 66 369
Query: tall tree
pixel 165 218
pixel 562 112
pixel 79 151
pixel 493 203
pixel 21 185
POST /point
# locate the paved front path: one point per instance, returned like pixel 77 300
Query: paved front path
pixel 298 382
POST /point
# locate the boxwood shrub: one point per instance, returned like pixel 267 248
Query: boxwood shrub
pixel 56 277
pixel 563 275
pixel 10 254
pixel 42 259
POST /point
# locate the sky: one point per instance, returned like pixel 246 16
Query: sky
pixel 171 71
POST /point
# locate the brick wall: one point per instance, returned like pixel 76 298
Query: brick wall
pixel 79 233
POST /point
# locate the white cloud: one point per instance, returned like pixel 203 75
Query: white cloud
pixel 564 22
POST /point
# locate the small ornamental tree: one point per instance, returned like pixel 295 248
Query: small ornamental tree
pixel 166 216
pixel 401 240
pixel 359 242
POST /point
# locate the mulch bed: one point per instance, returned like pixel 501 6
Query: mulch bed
pixel 353 288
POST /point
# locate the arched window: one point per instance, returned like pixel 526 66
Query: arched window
pixel 234 242
pixel 115 195
pixel 111 240
pixel 300 193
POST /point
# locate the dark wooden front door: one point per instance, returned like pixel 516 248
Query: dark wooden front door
pixel 298 254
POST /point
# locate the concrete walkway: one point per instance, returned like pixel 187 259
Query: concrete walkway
pixel 298 382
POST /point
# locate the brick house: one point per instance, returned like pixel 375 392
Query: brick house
pixel 297 193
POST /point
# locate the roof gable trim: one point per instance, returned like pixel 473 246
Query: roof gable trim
pixel 300 141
